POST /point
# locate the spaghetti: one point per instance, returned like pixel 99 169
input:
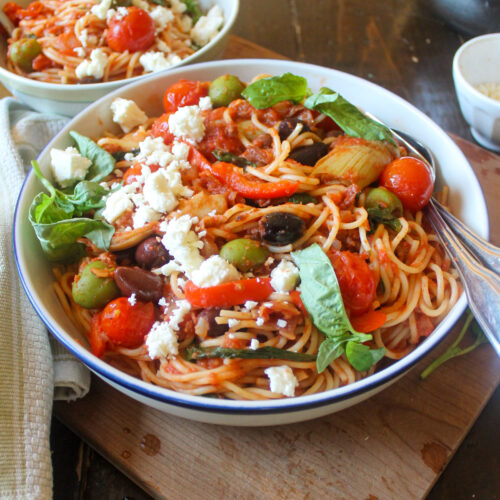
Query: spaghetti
pixel 220 311
pixel 87 41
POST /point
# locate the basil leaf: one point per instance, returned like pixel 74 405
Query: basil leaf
pixel 361 356
pixel 239 161
pixel 348 117
pixel 320 293
pixel 159 2
pixel 194 353
pixel 379 215
pixel 88 196
pixel 193 9
pixel 102 162
pixel 266 92
pixel 302 199
pixel 58 237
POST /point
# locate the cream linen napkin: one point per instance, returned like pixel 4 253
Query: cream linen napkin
pixel 33 370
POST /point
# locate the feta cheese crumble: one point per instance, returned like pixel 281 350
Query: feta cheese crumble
pixel 214 271
pixel 132 300
pixel 231 322
pixel 162 17
pixel 127 114
pixel 250 304
pixel 284 277
pixel 259 321
pixel 68 166
pixel 254 344
pixel 100 10
pixel 282 380
pixel 158 61
pixel 161 341
pixel 93 67
pixel 187 123
pixel 158 193
pixel 281 323
pixel 117 203
pixel 207 26
pixel 179 313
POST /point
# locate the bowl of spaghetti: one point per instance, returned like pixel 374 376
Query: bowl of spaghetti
pixel 61 56
pixel 235 249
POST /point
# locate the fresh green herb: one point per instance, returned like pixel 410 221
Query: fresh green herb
pixel 266 92
pixel 102 162
pixel 381 215
pixel 193 353
pixel 120 155
pixel 193 9
pixel 239 161
pixel 348 117
pixel 320 293
pixel 159 2
pixel 455 350
pixel 302 199
pixel 57 219
pixel 120 3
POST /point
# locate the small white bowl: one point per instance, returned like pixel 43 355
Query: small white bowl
pixel 70 99
pixel 475 63
pixel 466 201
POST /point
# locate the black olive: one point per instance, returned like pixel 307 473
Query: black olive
pixel 281 228
pixel 287 126
pixel 151 253
pixel 309 155
pixel 146 286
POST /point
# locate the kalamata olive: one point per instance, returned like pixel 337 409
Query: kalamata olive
pixel 146 286
pixel 214 329
pixel 381 197
pixel 245 254
pixel 287 126
pixel 302 199
pixel 91 291
pixel 151 253
pixel 224 89
pixel 282 228
pixel 23 52
pixel 309 155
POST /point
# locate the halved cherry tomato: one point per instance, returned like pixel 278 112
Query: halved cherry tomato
pixel 133 32
pixel 356 281
pixel 368 321
pixel 126 324
pixel 160 129
pixel 229 294
pixel 230 175
pixel 410 179
pixel 132 172
pixel 184 93
pixel 15 12
pixel 41 62
pixel 66 42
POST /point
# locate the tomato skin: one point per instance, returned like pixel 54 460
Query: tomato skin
pixel 96 339
pixel 410 179
pixel 66 42
pixel 133 32
pixel 356 280
pixel 368 321
pixel 184 93
pixel 125 324
pixel 160 129
pixel 41 62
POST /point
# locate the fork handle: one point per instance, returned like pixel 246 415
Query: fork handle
pixel 487 253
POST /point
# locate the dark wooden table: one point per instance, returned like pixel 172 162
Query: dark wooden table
pixel 403 46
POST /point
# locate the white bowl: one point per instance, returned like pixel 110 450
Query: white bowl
pixel 477 62
pixel 71 99
pixel 466 200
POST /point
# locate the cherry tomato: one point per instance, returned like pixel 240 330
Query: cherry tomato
pixel 97 339
pixel 126 324
pixel 132 172
pixel 133 32
pixel 356 281
pixel 410 179
pixel 66 42
pixel 184 93
pixel 160 129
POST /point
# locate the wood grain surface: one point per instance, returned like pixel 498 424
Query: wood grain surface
pixel 392 446
pixel 403 46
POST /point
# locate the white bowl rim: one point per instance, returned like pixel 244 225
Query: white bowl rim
pixel 103 86
pixel 460 78
pixel 276 406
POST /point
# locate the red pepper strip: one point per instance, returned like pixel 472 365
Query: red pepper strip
pixel 297 300
pixel 228 294
pixel 368 321
pixel 198 160
pixel 97 339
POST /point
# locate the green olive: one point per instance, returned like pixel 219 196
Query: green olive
pixel 381 197
pixel 245 254
pixel 302 199
pixel 225 89
pixel 91 291
pixel 23 52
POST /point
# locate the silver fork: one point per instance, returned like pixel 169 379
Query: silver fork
pixel 477 260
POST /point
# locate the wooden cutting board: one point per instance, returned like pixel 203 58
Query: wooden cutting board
pixel 392 446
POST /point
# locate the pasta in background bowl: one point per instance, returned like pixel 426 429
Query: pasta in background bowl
pixel 71 93
pixel 465 199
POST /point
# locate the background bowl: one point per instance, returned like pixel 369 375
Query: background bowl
pixel 474 63
pixel 71 99
pixel 466 200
